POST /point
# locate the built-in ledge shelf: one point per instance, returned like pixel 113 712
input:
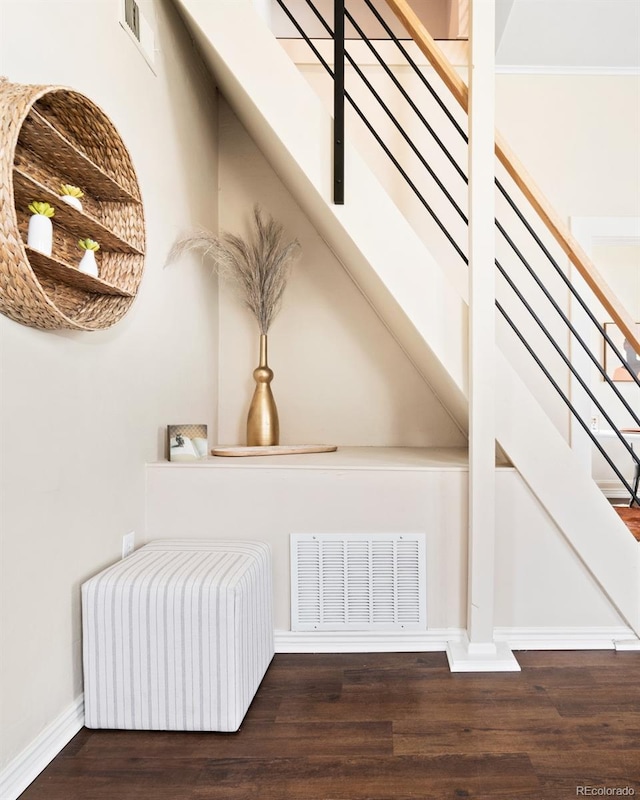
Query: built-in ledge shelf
pixel 344 458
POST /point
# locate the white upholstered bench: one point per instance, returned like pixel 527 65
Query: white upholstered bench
pixel 177 636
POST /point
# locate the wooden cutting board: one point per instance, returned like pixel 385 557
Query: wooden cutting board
pixel 275 450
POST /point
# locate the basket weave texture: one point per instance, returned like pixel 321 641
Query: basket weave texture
pixel 51 135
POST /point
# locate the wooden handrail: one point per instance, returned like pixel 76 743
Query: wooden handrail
pixel 523 180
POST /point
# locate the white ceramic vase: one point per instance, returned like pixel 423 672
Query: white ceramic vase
pixel 40 234
pixel 88 264
pixel 71 201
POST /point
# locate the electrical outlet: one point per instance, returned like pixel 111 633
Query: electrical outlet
pixel 128 543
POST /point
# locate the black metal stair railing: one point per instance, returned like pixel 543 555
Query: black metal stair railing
pixel 338 103
pixel 341 54
pixel 412 185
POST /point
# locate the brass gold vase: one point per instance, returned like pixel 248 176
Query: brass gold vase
pixel 263 428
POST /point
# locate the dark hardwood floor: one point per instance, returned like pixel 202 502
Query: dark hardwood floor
pixel 386 727
pixel 631 518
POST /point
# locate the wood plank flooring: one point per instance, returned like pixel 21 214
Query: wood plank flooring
pixel 385 726
pixel 631 518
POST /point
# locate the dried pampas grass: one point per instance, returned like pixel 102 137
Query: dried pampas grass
pixel 258 268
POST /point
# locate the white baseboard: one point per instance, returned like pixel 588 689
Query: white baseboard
pixel 614 490
pixel 583 638
pixel 576 638
pixel 366 641
pixel 26 767
pixel 627 644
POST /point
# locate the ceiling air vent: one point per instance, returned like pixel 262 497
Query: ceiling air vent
pixel 358 582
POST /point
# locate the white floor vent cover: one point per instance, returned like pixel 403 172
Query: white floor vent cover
pixel 358 582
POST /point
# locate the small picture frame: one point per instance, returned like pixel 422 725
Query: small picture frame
pixel 187 442
pixel 612 364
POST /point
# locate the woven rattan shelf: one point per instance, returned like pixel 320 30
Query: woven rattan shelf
pixel 39 135
pixel 77 223
pixel 49 267
pixel 51 135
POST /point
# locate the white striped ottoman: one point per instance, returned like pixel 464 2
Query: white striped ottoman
pixel 178 636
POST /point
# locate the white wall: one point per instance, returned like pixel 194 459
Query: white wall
pixel 540 581
pixel 267 503
pixel 340 377
pixel 82 412
pixel 578 137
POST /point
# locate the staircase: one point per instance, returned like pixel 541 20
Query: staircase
pixel 410 290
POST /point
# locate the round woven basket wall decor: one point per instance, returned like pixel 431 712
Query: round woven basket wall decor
pixel 50 135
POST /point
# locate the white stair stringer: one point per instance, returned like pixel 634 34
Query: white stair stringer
pixel 408 288
pixel 567 492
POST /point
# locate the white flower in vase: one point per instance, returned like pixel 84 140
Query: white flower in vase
pixel 71 195
pixel 88 263
pixel 40 233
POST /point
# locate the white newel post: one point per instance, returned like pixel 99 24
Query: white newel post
pixel 480 653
